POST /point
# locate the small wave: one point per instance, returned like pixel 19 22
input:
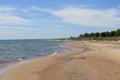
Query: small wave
pixel 20 59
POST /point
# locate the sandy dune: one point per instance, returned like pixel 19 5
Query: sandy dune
pixel 95 61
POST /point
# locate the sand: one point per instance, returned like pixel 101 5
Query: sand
pixel 87 61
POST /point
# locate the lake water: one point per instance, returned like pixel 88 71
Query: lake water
pixel 11 50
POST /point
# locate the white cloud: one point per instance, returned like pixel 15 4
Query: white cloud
pixel 5 8
pixel 17 28
pixel 26 11
pixel 18 32
pixel 9 15
pixel 5 18
pixel 41 9
pixel 87 16
pixel 118 6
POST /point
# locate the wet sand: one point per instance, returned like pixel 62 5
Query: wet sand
pixel 86 61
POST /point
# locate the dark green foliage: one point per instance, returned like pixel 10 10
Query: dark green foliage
pixel 118 32
pixel 112 33
pixel 97 34
pixel 102 34
pixel 92 34
pixel 108 35
pixel 80 36
pixel 86 35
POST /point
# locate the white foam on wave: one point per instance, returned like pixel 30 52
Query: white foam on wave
pixel 55 52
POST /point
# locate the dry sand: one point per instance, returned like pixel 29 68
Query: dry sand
pixel 97 61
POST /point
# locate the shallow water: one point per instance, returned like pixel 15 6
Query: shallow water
pixel 14 49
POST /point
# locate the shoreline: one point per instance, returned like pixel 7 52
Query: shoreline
pixel 12 64
pixel 6 66
pixel 85 58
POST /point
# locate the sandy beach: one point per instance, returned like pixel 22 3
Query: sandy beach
pixel 86 61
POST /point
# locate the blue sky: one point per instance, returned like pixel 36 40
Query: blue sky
pixel 39 19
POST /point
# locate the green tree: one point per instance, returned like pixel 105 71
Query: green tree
pixel 86 35
pixel 118 32
pixel 107 34
pixel 92 34
pixel 103 34
pixel 113 33
pixel 81 35
pixel 97 34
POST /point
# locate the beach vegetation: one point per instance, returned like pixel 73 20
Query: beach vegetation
pixel 108 35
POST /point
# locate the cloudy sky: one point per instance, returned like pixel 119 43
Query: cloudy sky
pixel 35 19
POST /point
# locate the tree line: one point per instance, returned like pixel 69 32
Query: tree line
pixel 101 34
